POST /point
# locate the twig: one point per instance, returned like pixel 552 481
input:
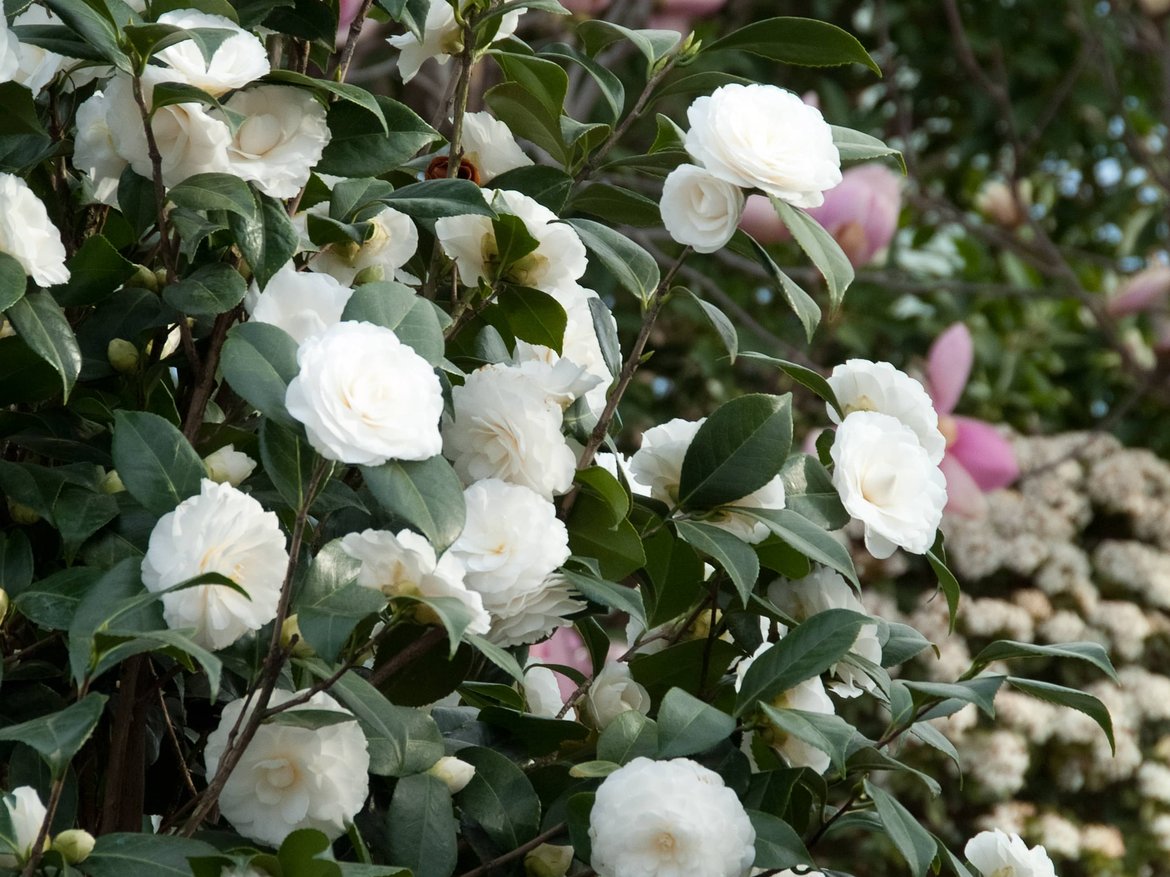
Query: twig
pixel 38 846
pixel 420 646
pixel 543 837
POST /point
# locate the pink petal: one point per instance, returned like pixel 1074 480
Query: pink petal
pixel 984 453
pixel 1141 292
pixel 963 495
pixel 948 366
pixel 861 212
pixel 759 219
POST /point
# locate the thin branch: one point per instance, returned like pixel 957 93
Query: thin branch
pixel 521 850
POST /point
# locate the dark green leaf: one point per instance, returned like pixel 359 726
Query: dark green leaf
pixel 738 449
pixel 59 736
pixel 204 192
pixel 527 116
pixel 398 308
pixel 606 593
pixel 1068 697
pixel 980 692
pixel 809 491
pixel 95 271
pixel 288 460
pixel 802 304
pixel 157 464
pixel 1006 650
pixel 41 324
pixel 856 146
pixel 807 538
pixel 803 41
pixel 734 555
pixel 426 494
pixel 806 377
pixel 208 291
pixel 808 650
pixel 364 145
pixel 258 361
pixel 912 840
pixel 686 725
pixel 434 199
pixel 629 264
pixel 500 798
pixel 351 93
pixel 824 731
pixel 631 735
pixel 719 322
pixel 144 855
pixel 13 281
pixel 267 237
pixel 777 843
pixel 421 827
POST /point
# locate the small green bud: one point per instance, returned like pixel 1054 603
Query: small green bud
pixel 548 860
pixel 369 274
pixel 160 278
pixel 112 482
pixel 74 845
pixel 123 356
pixel 3 604
pixel 144 278
pixel 289 629
pixel 22 514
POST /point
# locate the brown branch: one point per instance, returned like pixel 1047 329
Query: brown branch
pixel 416 649
pixel 521 850
pixel 203 389
pixel 38 847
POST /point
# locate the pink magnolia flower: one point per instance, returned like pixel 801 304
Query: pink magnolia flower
pixel 1147 292
pixel 564 647
pixel 861 213
pixel 978 459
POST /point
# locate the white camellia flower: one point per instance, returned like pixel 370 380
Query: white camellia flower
pixel 301 303
pixel 669 819
pixel 699 209
pixel 228 466
pixel 887 481
pixel 280 141
pixel 221 530
pixel 510 546
pixel 392 243
pixel 190 140
pixel 291 778
pixel 543 694
pixel 238 60
pixel 658 466
pixel 508 426
pixel 489 145
pixel 442 38
pixel 997 854
pixel 613 692
pixel 861 385
pixel 558 260
pixel 36 67
pixel 763 137
pixel 28 235
pixel 9 52
pixel 403 564
pixel 824 589
pixel 808 696
pixel 580 344
pixel 453 771
pixel 25 813
pixel 93 149
pixel 365 397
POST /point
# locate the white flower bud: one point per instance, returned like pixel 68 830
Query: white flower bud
pixel 228 466
pixel 699 209
pixel 614 692
pixel 548 860
pixel 74 845
pixel 452 771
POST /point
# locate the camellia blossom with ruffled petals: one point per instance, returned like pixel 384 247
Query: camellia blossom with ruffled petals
pixel 301 303
pixel 442 38
pixel 392 242
pixel 861 385
pixel 490 145
pixel 763 137
pixel 365 397
pixel 26 812
pixel 699 209
pixel 291 778
pixel 28 235
pixel 978 458
pixel 998 854
pixel 404 564
pixel 219 530
pixel 558 260
pixel 281 140
pixel 238 60
pixel 9 52
pixel 669 819
pixel 888 481
pixel 612 692
pixel 93 149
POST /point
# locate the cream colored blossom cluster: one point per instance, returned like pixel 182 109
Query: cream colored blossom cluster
pixel 1079 549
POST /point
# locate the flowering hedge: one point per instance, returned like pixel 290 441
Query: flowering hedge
pixel 312 429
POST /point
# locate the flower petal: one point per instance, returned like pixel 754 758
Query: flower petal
pixel 948 367
pixel 963 495
pixel 985 454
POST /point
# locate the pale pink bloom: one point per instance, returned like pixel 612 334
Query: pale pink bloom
pixel 680 14
pixel 566 648
pixel 978 459
pixel 1143 291
pixel 861 213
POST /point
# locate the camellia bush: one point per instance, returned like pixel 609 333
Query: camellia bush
pixel 311 428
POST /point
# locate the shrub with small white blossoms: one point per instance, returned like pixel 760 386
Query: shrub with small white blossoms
pixel 308 394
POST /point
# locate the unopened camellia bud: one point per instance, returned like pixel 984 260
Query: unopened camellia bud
pixel 228 466
pixel 289 629
pixel 455 772
pixel 123 356
pixel 74 845
pixel 996 201
pixel 3 604
pixel 144 278
pixel 112 482
pixel 548 860
pixel 22 514
pixel 369 274
pixel 160 278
